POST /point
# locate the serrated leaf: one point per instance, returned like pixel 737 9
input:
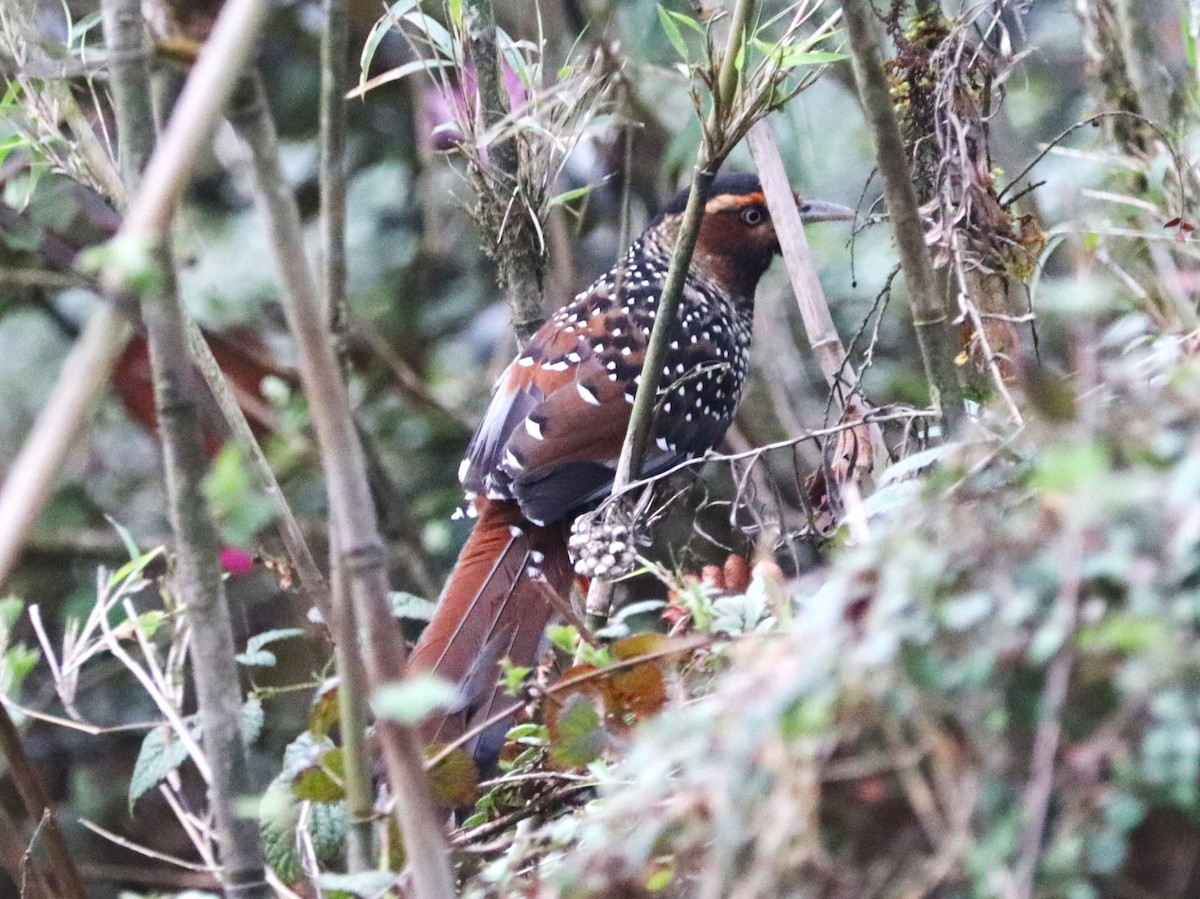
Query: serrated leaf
pixel 160 754
pixel 278 815
pixel 327 825
pixel 412 700
pixel 252 720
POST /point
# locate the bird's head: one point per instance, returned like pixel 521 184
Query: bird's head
pixel 737 238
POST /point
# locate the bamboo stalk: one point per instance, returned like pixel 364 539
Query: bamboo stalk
pixel 352 690
pixel 177 396
pixel 352 514
pixel 641 418
pixel 823 338
pixel 928 309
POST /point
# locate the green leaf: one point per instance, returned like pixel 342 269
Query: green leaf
pixel 795 58
pixel 1185 28
pixel 256 656
pixel 324 781
pixel 131 546
pixel 411 700
pixel 278 815
pixel 1070 466
pixel 161 753
pixel 401 71
pixel 513 676
pixel 131 261
pixel 132 570
pixel 570 196
pixel 240 508
pixel 686 21
pixel 378 32
pixel 577 737
pixel 674 35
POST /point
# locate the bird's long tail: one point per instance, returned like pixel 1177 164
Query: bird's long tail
pixel 494 606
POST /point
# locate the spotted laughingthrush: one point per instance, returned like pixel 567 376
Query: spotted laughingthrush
pixel 548 445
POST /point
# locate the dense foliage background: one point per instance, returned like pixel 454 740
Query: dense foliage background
pixel 969 669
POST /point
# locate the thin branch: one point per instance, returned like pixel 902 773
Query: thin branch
pixel 352 514
pixel 312 582
pixel 16 857
pixel 37 808
pixel 928 309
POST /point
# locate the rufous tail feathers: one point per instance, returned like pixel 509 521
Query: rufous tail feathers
pixel 494 606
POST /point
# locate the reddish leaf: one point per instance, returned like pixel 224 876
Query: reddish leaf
pixel 737 574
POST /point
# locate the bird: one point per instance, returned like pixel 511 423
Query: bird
pixel 547 446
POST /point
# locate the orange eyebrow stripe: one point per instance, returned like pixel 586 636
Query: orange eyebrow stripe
pixel 723 202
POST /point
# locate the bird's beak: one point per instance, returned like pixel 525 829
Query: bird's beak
pixel 819 211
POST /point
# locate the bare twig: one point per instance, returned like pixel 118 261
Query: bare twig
pixel 352 514
pixel 37 807
pixel 17 860
pixel 928 310
pixel 1040 786
pixel 312 582
pixel 822 334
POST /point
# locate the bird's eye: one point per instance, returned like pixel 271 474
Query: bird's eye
pixel 753 215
